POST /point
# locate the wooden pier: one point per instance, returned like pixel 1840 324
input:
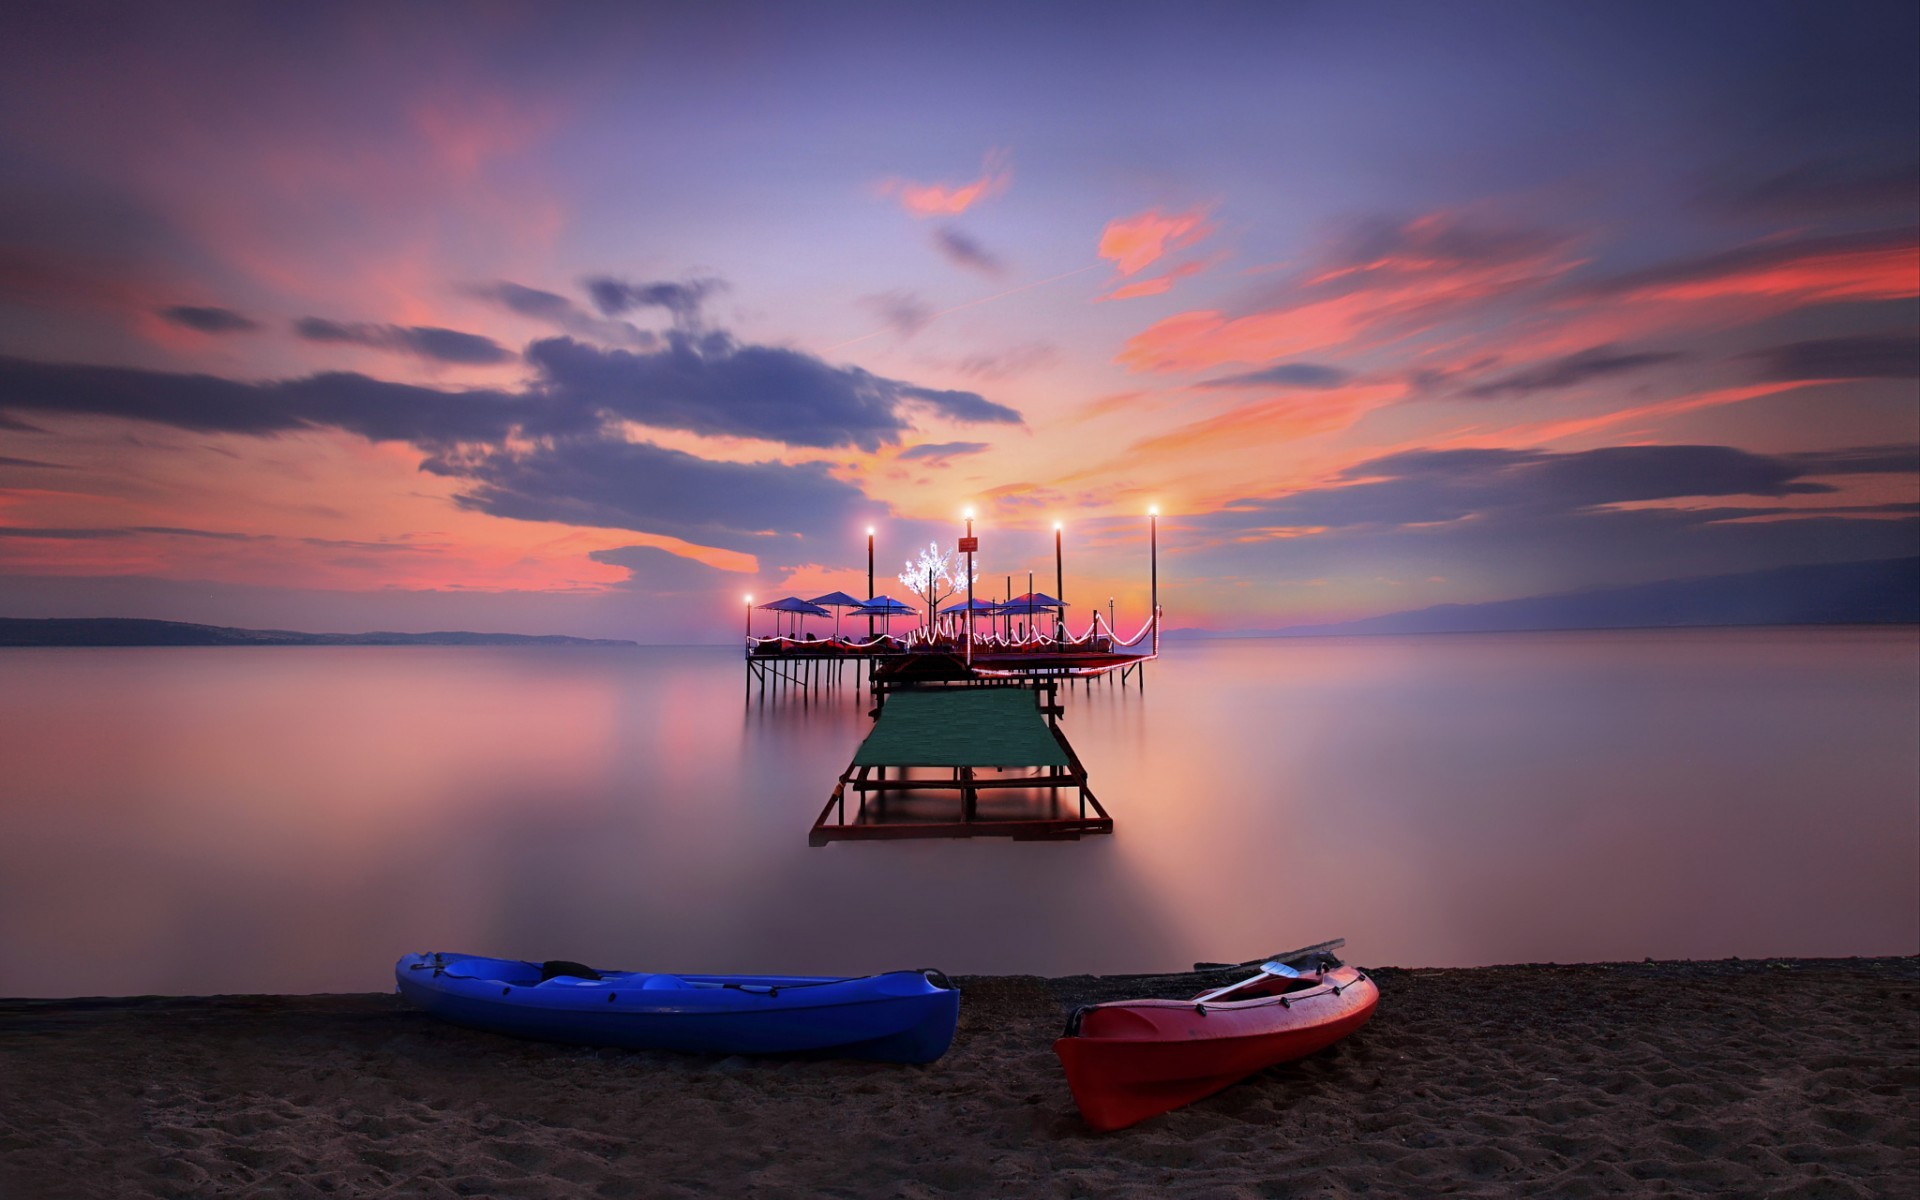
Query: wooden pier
pixel 783 665
pixel 993 746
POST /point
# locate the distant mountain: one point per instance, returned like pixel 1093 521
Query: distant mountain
pixel 124 631
pixel 1880 592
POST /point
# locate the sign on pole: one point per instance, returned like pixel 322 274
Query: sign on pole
pixel 969 545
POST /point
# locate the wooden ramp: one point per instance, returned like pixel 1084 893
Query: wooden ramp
pixel 963 760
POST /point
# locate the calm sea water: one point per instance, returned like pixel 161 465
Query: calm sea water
pixel 294 819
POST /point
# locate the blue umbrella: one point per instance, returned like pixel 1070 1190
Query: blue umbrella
pixel 794 604
pixel 837 601
pixel 979 606
pixel 887 608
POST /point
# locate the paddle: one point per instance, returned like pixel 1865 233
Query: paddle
pixel 1266 968
pixel 1317 950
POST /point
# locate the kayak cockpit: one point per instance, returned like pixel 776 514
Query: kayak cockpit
pixel 1262 987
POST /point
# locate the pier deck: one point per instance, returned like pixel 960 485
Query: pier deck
pixel 967 738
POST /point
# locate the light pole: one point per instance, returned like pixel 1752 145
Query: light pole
pixel 969 546
pixel 1059 589
pixel 749 623
pixel 869 580
pixel 1153 545
pixel 1109 622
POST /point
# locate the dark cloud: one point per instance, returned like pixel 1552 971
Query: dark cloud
pixel 615 296
pixel 664 573
pixel 1827 187
pixel 32 462
pixel 754 507
pixel 1571 371
pixel 60 535
pixel 964 251
pixel 561 313
pixel 375 409
pixel 1518 522
pixel 710 384
pixel 578 468
pixel 707 385
pixel 1894 356
pixel 1424 487
pixel 424 341
pixel 905 313
pixel 1299 374
pixel 218 535
pixel 1859 460
pixel 938 453
pixel 208 318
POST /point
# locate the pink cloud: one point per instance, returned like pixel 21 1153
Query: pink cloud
pixel 1265 423
pixel 1137 242
pixel 1159 284
pixel 947 200
pixel 1399 281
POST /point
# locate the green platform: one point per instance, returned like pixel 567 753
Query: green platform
pixel 961 727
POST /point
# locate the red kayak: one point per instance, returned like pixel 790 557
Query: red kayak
pixel 1133 1059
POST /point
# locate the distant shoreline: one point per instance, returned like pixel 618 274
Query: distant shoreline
pixel 24 632
pixel 1202 635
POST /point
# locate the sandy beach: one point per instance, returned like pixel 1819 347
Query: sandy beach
pixel 1784 1077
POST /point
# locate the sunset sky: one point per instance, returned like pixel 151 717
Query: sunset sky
pixel 591 319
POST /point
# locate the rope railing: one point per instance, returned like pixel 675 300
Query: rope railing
pixel 951 631
pixel 948 629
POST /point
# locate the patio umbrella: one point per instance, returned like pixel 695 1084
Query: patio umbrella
pixel 979 606
pixel 885 607
pixel 837 601
pixel 794 604
pixel 972 606
pixel 1034 602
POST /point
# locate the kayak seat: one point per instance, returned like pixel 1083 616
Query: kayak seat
pixel 657 982
pixel 562 968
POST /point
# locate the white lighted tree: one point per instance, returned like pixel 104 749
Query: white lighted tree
pixel 937 575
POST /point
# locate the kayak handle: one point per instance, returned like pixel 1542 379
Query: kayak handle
pixel 1073 1020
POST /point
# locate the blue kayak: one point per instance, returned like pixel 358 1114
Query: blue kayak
pixel 901 1016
